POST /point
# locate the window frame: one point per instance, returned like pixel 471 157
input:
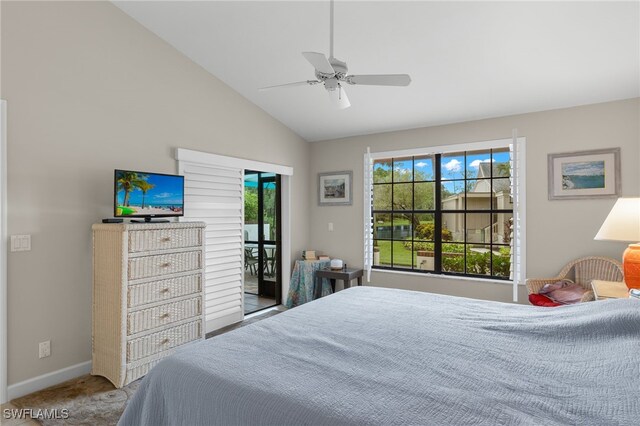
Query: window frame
pixel 436 153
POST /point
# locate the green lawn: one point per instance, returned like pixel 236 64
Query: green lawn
pixel 401 256
pixel 395 222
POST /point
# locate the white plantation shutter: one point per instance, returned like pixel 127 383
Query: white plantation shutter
pixel 368 219
pixel 214 194
pixel 518 165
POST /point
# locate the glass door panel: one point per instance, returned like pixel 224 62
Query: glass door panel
pixel 270 238
pixel 251 258
pixel 262 241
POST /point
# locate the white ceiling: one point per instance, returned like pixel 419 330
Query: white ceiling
pixel 467 60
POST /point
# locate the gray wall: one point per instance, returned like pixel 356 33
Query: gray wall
pixel 558 231
pixel 90 90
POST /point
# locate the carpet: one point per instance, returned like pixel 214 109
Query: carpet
pixel 90 400
pixel 93 400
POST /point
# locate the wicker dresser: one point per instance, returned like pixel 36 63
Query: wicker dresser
pixel 147 295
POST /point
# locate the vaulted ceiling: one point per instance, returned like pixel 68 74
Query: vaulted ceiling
pixel 467 60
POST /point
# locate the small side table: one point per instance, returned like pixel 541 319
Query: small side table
pixel 609 290
pixel 346 275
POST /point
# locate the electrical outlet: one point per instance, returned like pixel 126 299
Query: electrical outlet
pixel 45 349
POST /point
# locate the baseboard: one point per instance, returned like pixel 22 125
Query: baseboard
pixel 44 381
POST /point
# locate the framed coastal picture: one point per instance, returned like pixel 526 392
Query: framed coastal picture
pixel 334 188
pixel 584 174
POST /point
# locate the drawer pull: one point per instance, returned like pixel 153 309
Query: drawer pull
pixel 165 290
pixel 165 341
pixel 166 264
pixel 163 316
pixel 166 239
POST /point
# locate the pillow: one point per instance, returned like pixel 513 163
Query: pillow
pixel 541 300
pixel 564 292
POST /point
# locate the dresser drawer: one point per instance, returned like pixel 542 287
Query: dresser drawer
pixel 156 291
pixel 161 239
pixel 148 319
pixel 162 264
pixel 163 340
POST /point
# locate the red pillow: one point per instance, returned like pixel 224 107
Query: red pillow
pixel 541 300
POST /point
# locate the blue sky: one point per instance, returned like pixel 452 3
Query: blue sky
pixel 452 166
pixel 167 190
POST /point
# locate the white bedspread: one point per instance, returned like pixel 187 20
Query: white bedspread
pixel 381 357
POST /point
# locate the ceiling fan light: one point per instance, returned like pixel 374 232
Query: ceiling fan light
pixel 339 97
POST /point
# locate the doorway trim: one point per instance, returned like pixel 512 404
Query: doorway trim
pixel 3 252
pixel 222 160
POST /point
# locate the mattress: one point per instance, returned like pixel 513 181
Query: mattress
pixel 381 356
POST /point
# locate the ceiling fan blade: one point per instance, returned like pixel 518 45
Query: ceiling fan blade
pixel 298 83
pixel 319 62
pixel 339 97
pixel 379 80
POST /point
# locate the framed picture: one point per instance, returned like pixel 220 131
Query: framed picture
pixel 584 174
pixel 334 188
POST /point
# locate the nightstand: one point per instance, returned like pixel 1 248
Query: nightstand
pixel 346 275
pixel 609 290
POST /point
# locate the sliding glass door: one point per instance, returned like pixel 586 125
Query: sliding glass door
pixel 261 240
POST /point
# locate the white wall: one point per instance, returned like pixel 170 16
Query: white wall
pixel 90 90
pixel 557 231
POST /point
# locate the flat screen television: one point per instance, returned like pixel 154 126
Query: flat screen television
pixel 147 195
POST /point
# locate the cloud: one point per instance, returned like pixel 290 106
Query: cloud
pixel 163 195
pixel 453 165
pixel 476 163
pixel 421 164
pixel 400 170
pixel 583 168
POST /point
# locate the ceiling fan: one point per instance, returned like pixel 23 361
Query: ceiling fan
pixel 333 73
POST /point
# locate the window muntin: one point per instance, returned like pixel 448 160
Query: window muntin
pixel 444 213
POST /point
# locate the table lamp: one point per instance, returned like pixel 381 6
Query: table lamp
pixel 623 224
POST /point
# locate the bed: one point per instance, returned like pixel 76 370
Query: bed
pixel 380 356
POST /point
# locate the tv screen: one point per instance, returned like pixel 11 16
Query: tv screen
pixel 142 194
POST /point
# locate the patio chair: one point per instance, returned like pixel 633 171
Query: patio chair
pixel 582 271
pixel 269 261
pixel 250 261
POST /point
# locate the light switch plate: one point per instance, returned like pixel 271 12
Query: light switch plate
pixel 20 242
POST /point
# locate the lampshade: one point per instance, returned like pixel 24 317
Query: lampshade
pixel 623 224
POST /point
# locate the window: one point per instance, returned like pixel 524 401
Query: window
pixel 449 213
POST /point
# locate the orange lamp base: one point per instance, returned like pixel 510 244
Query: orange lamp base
pixel 631 266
